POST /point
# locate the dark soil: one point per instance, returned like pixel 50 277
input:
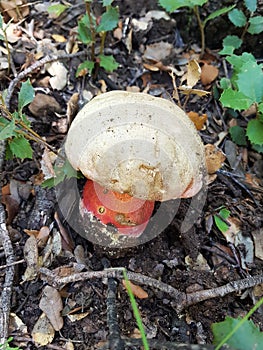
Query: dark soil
pixel 172 256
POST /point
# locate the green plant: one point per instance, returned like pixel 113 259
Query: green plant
pixel 220 219
pixel 239 334
pixel 243 90
pixel 251 24
pixel 6 345
pixel 172 5
pixel 91 29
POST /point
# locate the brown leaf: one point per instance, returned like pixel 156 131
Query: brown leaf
pixel 186 90
pixel 43 105
pixel 208 73
pixel 214 158
pixel 16 9
pixel 198 120
pixel 136 290
pixel 31 258
pixel 43 333
pixel 51 305
pixel 193 73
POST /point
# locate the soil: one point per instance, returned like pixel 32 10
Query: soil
pixel 197 259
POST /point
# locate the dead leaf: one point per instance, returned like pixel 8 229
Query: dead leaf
pixel 59 75
pixel 43 104
pixel 186 90
pixel 198 120
pixel 31 258
pixel 258 241
pixel 59 38
pixel 51 305
pixel 16 324
pixel 47 161
pixel 157 51
pixel 136 290
pixel 72 107
pixel 133 88
pixel 16 9
pixel 78 317
pixel 214 158
pixel 208 73
pixel 192 74
pixel 43 333
pixel 67 242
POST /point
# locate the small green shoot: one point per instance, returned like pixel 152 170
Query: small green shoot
pixel 6 345
pixel 57 9
pixel 92 29
pixel 172 5
pixel 136 311
pixel 239 334
pixel 220 219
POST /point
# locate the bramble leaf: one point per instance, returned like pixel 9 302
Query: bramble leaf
pixel 255 131
pixel 26 95
pixel 230 43
pixel 218 13
pixel 255 25
pixel 237 17
pixel 109 20
pixel 8 130
pixel 20 148
pixel 235 99
pixel 108 63
pixel 107 2
pixel 84 68
pixel 84 32
pixel 238 61
pixel 238 135
pixel 251 5
pixel 172 5
pixel 247 336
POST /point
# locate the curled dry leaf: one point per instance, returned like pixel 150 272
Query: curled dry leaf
pixel 192 74
pixel 198 120
pixel 214 158
pixel 51 305
pixel 208 73
pixel 136 290
pixel 31 258
pixel 43 333
pixel 59 75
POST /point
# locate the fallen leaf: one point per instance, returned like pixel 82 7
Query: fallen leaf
pixel 51 305
pixel 258 241
pixel 43 104
pixel 214 158
pixel 157 51
pixel 16 324
pixel 72 107
pixel 59 38
pixel 78 317
pixel 192 74
pixel 59 75
pixel 43 333
pixel 136 290
pixel 186 90
pixel 16 9
pixel 198 120
pixel 208 74
pixel 31 258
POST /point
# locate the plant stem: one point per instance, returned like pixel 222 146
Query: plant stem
pixel 102 43
pixel 92 29
pixel 201 27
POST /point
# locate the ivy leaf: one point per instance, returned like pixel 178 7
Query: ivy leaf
pixel 109 20
pixel 218 13
pixel 237 17
pixel 250 81
pixel 26 95
pixel 238 135
pixel 221 225
pixel 20 148
pixel 255 132
pixel 247 336
pixel 84 33
pixel 235 99
pixel 8 130
pixel 108 63
pixel 251 5
pixel 255 25
pixel 230 43
pixel 172 5
pixel 84 68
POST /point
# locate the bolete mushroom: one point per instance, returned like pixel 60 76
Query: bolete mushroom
pixel 134 149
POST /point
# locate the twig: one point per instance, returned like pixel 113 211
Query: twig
pixel 13 264
pixel 34 66
pixel 183 300
pixel 5 298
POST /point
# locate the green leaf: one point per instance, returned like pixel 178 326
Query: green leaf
pixel 108 63
pixel 230 43
pixel 250 81
pixel 85 66
pixel 1 22
pixel 8 130
pixel 237 17
pixel 109 20
pixel 172 5
pixel 238 135
pixel 251 5
pixel 107 2
pixel 84 32
pixel 255 25
pixel 225 83
pixel 246 337
pixel 238 61
pixel 258 148
pixel 218 13
pixel 235 99
pixel 20 147
pixel 26 95
pixel 221 225
pixel 260 111
pixel 255 132
pixel 57 9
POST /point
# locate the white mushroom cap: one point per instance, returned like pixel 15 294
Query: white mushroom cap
pixel 138 144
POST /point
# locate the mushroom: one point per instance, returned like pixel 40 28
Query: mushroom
pixel 135 149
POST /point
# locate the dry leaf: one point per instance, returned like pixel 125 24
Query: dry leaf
pixel 136 290
pixel 51 305
pixel 78 317
pixel 193 73
pixel 72 107
pixel 214 158
pixel 31 258
pixel 44 104
pixel 59 75
pixel 43 333
pixel 59 38
pixel 16 9
pixel 198 120
pixel 48 158
pixel 208 73
pixel 186 90
pixel 157 51
pixel 16 324
pixel 258 240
